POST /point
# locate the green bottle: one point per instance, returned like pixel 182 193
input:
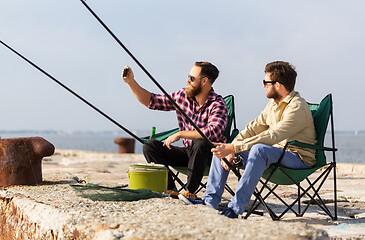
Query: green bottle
pixel 153 133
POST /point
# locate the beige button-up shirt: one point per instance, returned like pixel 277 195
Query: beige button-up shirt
pixel 277 124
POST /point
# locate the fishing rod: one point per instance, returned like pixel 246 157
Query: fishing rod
pixel 74 93
pixel 157 84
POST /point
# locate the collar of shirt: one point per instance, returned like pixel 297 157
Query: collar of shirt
pixel 286 100
pixel 280 107
pixel 290 96
pixel 212 97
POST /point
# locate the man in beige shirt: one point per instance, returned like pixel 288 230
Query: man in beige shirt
pixel 286 117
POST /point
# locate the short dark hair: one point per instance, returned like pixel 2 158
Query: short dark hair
pixel 208 70
pixel 283 72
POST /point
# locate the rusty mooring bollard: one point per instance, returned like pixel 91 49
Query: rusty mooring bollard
pixel 21 160
pixel 126 145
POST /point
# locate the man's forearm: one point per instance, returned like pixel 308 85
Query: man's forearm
pixel 142 95
pixel 190 134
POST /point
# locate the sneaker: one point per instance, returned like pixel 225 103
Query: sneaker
pixel 196 201
pixel 189 195
pixel 228 212
pixel 190 201
pixel 172 193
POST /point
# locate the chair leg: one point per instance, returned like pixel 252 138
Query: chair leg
pixel 312 191
pixel 321 204
pixel 288 207
pixel 334 164
pixel 271 212
pixel 273 215
pixel 335 188
pixel 229 189
pixel 261 200
pixel 299 208
pixel 176 178
pixel 202 185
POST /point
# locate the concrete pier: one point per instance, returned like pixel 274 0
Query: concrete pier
pixel 53 210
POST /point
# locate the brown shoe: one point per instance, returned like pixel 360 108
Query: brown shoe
pixel 172 192
pixel 189 195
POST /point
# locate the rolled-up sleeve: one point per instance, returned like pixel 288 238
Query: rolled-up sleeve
pixel 161 102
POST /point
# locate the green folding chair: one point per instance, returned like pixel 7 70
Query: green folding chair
pixel 230 135
pixel 279 175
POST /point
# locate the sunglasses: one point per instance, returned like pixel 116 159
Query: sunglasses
pixel 272 82
pixel 192 79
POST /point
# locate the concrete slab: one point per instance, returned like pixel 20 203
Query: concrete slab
pixel 53 210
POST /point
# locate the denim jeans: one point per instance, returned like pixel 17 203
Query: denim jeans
pixel 255 161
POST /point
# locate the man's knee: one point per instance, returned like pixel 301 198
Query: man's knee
pixel 258 146
pixel 262 154
pixel 151 149
pixel 150 145
pixel 258 149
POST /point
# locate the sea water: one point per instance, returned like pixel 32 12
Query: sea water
pixel 351 145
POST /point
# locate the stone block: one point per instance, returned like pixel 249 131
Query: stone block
pixel 126 145
pixel 21 160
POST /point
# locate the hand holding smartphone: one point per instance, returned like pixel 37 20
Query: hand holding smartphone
pixel 125 72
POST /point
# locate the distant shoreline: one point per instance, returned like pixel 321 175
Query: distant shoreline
pixel 350 144
pixel 118 132
pixel 60 132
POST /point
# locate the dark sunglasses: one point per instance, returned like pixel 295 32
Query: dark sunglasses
pixel 192 79
pixel 272 82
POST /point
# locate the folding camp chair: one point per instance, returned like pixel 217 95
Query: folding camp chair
pixel 279 175
pixel 230 135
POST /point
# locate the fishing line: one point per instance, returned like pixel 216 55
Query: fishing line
pixel 157 84
pixel 75 94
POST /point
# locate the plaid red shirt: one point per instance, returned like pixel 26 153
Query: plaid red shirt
pixel 211 117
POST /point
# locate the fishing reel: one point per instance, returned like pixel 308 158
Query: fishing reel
pixel 237 161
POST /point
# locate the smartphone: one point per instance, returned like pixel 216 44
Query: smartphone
pixel 125 72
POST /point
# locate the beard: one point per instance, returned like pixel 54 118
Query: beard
pixel 191 91
pixel 273 93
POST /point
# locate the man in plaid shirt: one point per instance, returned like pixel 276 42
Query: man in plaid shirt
pixel 207 109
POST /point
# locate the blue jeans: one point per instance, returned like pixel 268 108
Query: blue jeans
pixel 255 161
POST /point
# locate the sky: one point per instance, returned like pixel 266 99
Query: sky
pixel 324 40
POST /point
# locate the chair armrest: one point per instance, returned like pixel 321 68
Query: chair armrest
pixel 310 146
pixel 162 135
